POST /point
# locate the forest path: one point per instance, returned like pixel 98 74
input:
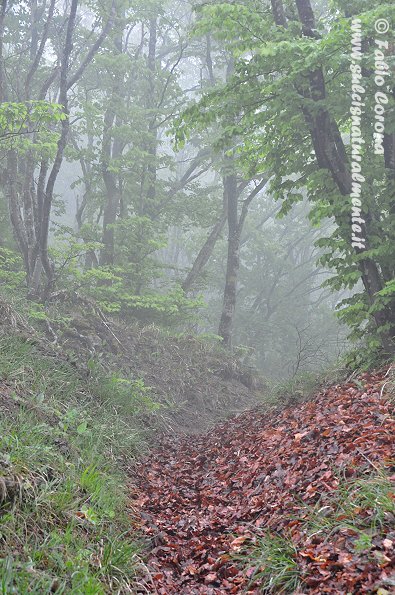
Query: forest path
pixel 205 497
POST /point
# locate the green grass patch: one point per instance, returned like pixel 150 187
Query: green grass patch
pixel 366 505
pixel 271 562
pixel 64 526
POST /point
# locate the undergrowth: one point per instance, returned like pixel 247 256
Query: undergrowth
pixel 64 525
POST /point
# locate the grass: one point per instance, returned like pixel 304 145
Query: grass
pixel 271 562
pixel 365 507
pixel 64 528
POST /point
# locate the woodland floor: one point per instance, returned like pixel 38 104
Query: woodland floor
pixel 318 477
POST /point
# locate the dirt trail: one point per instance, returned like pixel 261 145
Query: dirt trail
pixel 203 497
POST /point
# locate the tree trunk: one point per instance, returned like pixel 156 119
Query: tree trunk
pixel 3 81
pixel 233 260
pixel 331 154
pixel 278 13
pixel 112 149
pixel 205 253
pixel 150 173
pixel 112 194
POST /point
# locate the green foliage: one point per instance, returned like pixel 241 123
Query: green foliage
pixel 11 268
pixel 15 118
pixel 126 287
pixel 36 312
pixel 266 99
pixel 172 307
pixel 27 127
pixel 109 288
pixel 114 287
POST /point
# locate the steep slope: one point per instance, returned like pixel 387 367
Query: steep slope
pixel 195 382
pixel 303 497
pixel 64 519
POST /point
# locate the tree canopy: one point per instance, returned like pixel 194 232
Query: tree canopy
pixel 225 167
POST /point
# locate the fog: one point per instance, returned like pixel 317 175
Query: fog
pixel 150 167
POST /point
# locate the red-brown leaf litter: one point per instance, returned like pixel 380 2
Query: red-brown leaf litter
pixel 202 498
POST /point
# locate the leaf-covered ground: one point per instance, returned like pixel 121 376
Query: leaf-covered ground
pixel 318 477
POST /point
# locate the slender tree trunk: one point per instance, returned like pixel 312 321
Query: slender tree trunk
pixel 233 260
pixel 15 208
pixel 204 253
pixel 49 189
pixel 3 82
pixel 152 129
pixel 148 183
pixel 112 194
pixel 112 149
pixel 109 219
pixel 232 192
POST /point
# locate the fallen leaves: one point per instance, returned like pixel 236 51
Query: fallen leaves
pixel 207 496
